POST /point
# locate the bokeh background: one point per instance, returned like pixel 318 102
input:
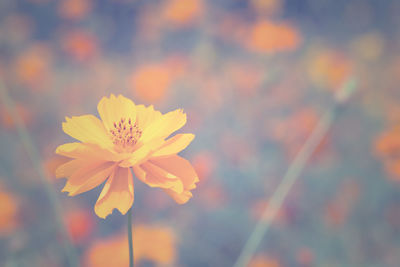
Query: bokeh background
pixel 254 78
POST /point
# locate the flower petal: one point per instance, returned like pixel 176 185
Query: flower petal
pixel 141 154
pixel 68 168
pixel 88 129
pixel 153 177
pixel 146 115
pixel 164 126
pixel 160 172
pixel 89 176
pixel 84 150
pixel 179 198
pixel 183 170
pixel 113 109
pixel 180 167
pixel 174 145
pixel 116 194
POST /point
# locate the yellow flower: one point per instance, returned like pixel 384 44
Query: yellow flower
pixel 127 136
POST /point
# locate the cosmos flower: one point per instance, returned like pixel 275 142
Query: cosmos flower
pixel 154 243
pixel 9 211
pixel 128 137
pixel 387 148
pixel 269 37
pixel 264 261
pixel 183 13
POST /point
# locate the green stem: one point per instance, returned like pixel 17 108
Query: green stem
pixel 33 155
pixel 293 172
pixel 130 241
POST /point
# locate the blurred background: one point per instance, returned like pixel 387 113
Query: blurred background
pixel 254 78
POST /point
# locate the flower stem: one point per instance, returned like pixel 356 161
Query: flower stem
pixel 33 155
pixel 296 167
pixel 130 241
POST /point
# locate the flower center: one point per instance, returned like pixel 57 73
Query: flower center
pixel 125 134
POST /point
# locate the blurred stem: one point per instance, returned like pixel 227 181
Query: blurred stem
pixel 130 237
pixel 293 172
pixel 33 155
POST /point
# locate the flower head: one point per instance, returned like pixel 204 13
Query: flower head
pixel 128 136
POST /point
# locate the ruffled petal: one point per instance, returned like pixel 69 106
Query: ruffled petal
pixel 87 129
pixel 174 145
pixel 88 175
pixel 83 150
pixel 141 154
pixel 164 126
pixel 117 193
pixel 154 177
pixel 68 168
pixel 179 198
pixel 113 109
pixel 146 115
pixel 182 169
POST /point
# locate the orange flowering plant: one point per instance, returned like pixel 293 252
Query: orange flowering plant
pixel 128 137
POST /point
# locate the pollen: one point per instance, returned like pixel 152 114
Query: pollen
pixel 125 134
